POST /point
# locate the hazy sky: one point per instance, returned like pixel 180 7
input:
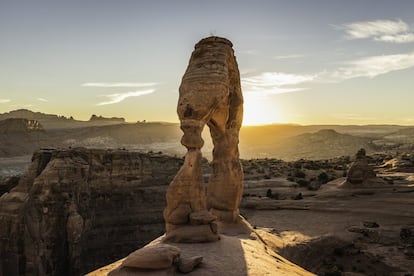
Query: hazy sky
pixel 307 62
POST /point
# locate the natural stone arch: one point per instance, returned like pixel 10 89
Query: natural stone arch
pixel 210 94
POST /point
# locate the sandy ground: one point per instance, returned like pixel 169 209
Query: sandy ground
pixel 332 231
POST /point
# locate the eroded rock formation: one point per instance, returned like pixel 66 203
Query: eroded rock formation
pixel 361 174
pixel 210 94
pixel 360 170
pixel 75 210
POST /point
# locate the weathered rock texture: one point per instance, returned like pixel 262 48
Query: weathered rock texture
pixel 75 210
pixel 210 94
pixel 241 252
pixel 360 170
pixel 361 174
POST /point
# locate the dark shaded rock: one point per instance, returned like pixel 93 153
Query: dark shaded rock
pixel 8 183
pixel 76 210
pixel 298 196
pixel 407 235
pixel 370 224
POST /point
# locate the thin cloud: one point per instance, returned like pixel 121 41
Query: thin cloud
pixel 399 38
pixel 396 31
pixel 275 82
pixel 4 101
pixel 369 67
pixel 288 57
pixel 249 52
pixel 42 100
pixel 118 84
pixel 119 97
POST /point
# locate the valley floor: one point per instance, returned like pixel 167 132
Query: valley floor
pixel 336 230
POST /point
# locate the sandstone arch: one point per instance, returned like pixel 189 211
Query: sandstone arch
pixel 210 94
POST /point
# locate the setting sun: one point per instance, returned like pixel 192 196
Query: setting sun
pixel 258 110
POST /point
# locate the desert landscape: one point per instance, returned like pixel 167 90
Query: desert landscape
pixel 206 138
pixel 69 209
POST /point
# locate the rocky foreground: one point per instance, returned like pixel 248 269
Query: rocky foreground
pixel 77 210
pixel 240 251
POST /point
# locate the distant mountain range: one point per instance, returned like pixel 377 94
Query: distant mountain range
pixel 52 121
pixel 283 141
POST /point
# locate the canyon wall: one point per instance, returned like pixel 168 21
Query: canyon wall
pixel 75 210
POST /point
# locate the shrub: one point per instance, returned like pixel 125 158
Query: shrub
pixel 269 193
pixel 302 182
pixel 300 174
pixel 323 178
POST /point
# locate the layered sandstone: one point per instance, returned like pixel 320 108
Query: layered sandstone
pixel 210 94
pixel 75 210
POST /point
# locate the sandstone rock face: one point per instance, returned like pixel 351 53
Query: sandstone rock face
pixel 75 210
pixel 360 170
pixel 210 94
pixel 157 256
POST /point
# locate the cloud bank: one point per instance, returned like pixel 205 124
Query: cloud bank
pixel 4 101
pixel 395 31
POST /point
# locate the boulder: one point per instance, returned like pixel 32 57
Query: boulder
pixel 186 265
pixel 157 256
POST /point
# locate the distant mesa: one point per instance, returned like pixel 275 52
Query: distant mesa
pixel 95 118
pixel 14 125
pixel 28 114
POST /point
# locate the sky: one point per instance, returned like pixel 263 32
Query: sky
pixel 301 61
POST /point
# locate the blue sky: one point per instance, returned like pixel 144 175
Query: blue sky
pixel 308 62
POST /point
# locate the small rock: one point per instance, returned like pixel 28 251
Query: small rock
pixel 187 265
pixel 407 235
pixel 298 196
pixel 158 256
pixel 371 224
pixel 409 252
pixel 371 235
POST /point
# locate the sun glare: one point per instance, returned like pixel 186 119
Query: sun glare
pixel 260 111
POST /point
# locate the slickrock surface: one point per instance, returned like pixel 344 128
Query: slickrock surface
pixel 75 210
pixel 239 252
